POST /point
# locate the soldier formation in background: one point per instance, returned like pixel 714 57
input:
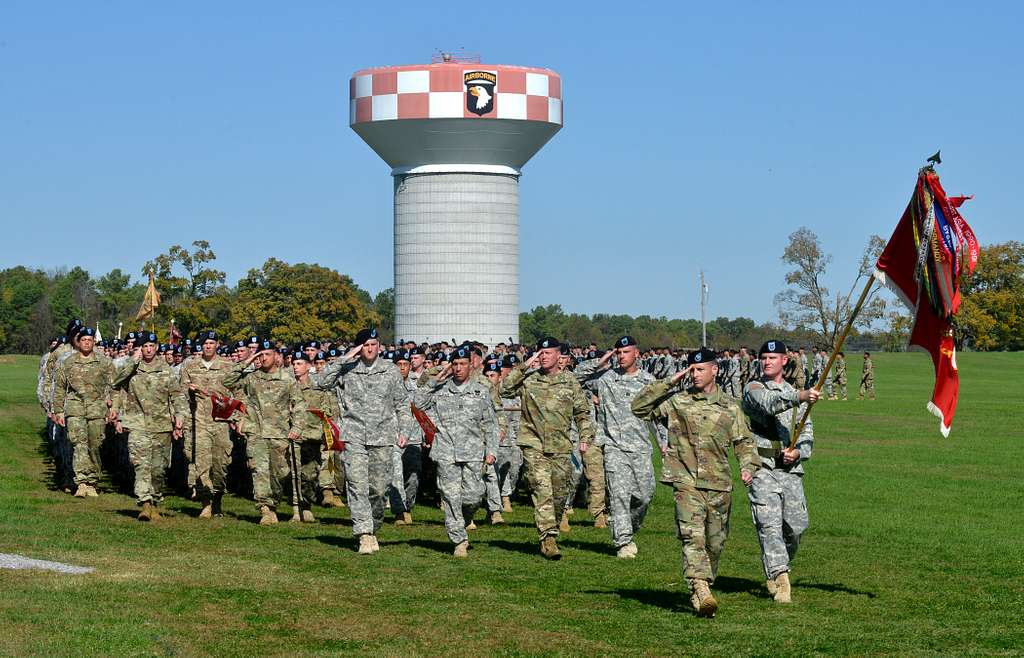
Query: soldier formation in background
pixel 336 424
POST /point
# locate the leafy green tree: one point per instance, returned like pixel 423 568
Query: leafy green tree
pixel 992 313
pixel 298 302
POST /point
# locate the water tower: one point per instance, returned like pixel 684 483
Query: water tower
pixel 456 134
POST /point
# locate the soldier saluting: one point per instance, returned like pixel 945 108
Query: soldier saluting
pixel 550 400
pixel 777 501
pixel 703 422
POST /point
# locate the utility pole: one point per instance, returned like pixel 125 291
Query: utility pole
pixel 703 310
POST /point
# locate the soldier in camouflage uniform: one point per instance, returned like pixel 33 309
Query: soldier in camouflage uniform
pixel 210 442
pixel 81 403
pixel 550 401
pixel 152 410
pixel 466 441
pixel 839 377
pixel 777 502
pixel 867 379
pixel 703 424
pixel 275 418
pixel 408 461
pixel 374 413
pixel 60 447
pixel 313 441
pixel 625 439
pixel 510 457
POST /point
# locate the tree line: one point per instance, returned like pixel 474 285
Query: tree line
pixel 295 302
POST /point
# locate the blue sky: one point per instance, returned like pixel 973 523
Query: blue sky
pixel 695 136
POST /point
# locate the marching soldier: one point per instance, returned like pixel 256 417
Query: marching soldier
pixel 313 441
pixel 510 457
pixel 550 400
pixel 625 439
pixel 81 404
pixel 152 410
pixel 839 376
pixel 407 462
pixel 466 441
pixel 777 501
pixel 208 440
pixel 703 424
pixel 275 418
pixel 374 413
pixel 867 379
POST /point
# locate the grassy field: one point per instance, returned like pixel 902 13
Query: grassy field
pixel 916 547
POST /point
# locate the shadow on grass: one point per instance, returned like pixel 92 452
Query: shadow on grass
pixel 527 548
pixel 834 588
pixel 731 585
pixel 429 544
pixel 348 543
pixel 659 598
pixel 599 547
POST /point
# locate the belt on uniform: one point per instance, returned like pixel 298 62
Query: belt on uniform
pixel 771 453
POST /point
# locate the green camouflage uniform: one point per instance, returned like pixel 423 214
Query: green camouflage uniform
pixel 701 428
pixel 549 405
pixel 207 441
pixel 276 407
pixel 839 370
pixel 82 389
pixel 313 447
pixel 867 380
pixel 467 431
pixel 152 401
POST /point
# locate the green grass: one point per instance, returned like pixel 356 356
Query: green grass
pixel 916 547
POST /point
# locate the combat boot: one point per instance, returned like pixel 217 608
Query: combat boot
pixel 147 511
pixel 564 525
pixel 407 517
pixel 91 492
pixel 366 544
pixel 296 517
pixel 217 504
pixel 307 516
pixel 496 519
pixel 549 548
pixel 704 603
pixel 154 514
pixel 461 549
pixel 601 520
pixel 374 544
pixel 771 586
pixel 207 512
pixel 82 491
pixel 267 515
pixel 506 504
pixel 782 589
pixel 471 525
pixel 628 551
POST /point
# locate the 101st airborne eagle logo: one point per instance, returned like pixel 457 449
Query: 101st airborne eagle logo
pixel 480 91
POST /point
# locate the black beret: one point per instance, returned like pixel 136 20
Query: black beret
pixel 625 341
pixel 333 352
pixel 101 343
pixel 493 366
pixel 365 335
pixel 509 361
pixel 149 337
pixel 72 328
pixel 459 353
pixel 179 349
pixel 86 331
pixel 549 341
pixel 319 356
pixel 254 339
pixel 265 345
pixel 239 344
pixel 772 347
pixel 299 355
pixel 565 348
pixel 401 355
pixel 315 344
pixel 187 341
pixel 131 335
pixel 162 348
pixel 283 351
pixel 206 335
pixel 594 354
pixel 703 355
pixel 196 349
